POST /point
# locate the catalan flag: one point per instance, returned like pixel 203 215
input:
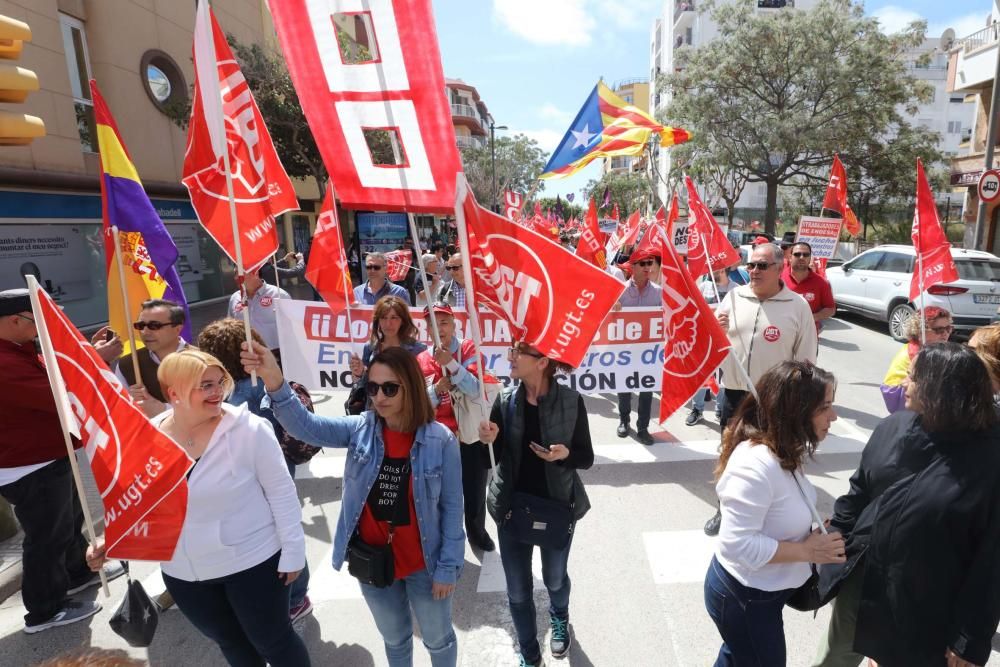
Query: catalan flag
pixel 607 126
pixel 148 252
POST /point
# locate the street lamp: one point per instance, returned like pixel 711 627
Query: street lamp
pixel 493 162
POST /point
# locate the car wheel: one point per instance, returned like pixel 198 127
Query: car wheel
pixel 898 317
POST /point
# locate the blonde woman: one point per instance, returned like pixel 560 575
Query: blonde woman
pixel 242 543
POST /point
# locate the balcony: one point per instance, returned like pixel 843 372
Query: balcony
pixel 972 61
pixel 683 14
pixel 468 142
pixel 468 116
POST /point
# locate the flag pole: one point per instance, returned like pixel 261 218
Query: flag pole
pixel 470 303
pixel 920 266
pixel 125 304
pixel 61 401
pixel 432 322
pixel 274 263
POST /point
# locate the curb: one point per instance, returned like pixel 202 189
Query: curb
pixel 10 581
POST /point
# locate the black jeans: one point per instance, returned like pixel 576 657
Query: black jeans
pixel 730 401
pixel 474 487
pixel 245 613
pixel 645 407
pixel 54 550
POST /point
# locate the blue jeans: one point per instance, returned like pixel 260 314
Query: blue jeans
pixel 749 620
pixel 300 586
pixel 245 613
pixel 391 608
pixel 516 558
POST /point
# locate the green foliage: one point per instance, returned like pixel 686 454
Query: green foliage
pixel 569 210
pixel 519 161
pixel 630 190
pixel 778 93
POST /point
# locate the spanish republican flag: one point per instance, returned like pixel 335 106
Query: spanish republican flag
pixel 148 252
pixel 607 126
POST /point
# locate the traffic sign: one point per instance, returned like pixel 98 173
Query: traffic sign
pixel 989 186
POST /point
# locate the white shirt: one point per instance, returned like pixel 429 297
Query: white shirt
pixel 761 505
pixel 263 311
pixel 11 475
pixel 242 503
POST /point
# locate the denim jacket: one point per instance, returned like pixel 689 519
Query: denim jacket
pixel 437 478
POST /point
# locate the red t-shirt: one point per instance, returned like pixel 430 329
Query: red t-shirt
pixel 408 556
pixel 814 289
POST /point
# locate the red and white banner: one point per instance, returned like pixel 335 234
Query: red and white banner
pixel 225 119
pixel 589 246
pixel 140 472
pixel 551 298
pixel 694 344
pixel 400 88
pixel 399 262
pixel 934 262
pixel 512 203
pixel 327 269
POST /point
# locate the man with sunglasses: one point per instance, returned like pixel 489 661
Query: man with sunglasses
pixel 37 480
pixel 640 292
pixel 766 323
pixel 799 277
pixel 378 284
pixel 159 327
pixel 453 290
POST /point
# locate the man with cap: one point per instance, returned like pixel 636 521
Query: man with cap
pixel 37 480
pixel 159 327
pixel 455 365
pixel 787 241
pixel 641 291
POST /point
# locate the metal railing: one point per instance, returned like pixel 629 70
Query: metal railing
pixel 978 39
pixel 465 110
pixel 468 142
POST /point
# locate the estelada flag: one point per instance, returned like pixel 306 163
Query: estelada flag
pixel 551 298
pixel 704 234
pixel 225 118
pixel 934 262
pixel 327 270
pixel 140 471
pixel 836 197
pixel 694 344
pixel 589 246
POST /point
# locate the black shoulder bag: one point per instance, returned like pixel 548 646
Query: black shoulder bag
pixel 807 597
pixel 136 618
pixel 543 522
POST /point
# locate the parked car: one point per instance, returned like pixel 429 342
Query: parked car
pixel 876 284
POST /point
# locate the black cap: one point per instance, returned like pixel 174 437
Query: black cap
pixel 14 301
pixel 787 240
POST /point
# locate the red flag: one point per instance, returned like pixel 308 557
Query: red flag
pixel 512 203
pixel 934 262
pixel 589 246
pixel 714 251
pixel 399 262
pixel 836 197
pixel 551 298
pixel 694 343
pixel 140 472
pixel 651 243
pixel 624 234
pixel 327 269
pixel 615 214
pixel 225 119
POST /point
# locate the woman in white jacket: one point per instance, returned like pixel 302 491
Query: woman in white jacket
pixel 242 542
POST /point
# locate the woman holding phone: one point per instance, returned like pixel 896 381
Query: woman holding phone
pixel 541 437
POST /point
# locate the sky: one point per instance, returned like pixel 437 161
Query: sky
pixel 535 61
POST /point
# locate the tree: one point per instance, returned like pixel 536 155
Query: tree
pixel 519 161
pixel 712 170
pixel 779 92
pixel 632 191
pixel 569 209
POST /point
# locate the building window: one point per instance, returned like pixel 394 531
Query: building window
pixel 954 127
pixel 957 100
pixel 162 80
pixel 78 62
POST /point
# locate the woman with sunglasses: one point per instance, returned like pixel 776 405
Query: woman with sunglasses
pixel 402 488
pixel 242 545
pixel 937 328
pixel 541 437
pixel 392 326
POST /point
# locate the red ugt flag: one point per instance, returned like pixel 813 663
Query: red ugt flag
pixel 399 263
pixel 589 247
pixel 934 262
pixel 714 249
pixel 225 118
pixel 551 298
pixel 327 269
pixel 836 197
pixel 140 472
pixel 694 344
pixel 651 243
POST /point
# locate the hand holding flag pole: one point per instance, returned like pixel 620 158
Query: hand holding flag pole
pixel 431 320
pixel 66 419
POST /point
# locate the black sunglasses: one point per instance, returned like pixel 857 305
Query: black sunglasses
pixel 389 389
pixel 760 266
pixel 645 262
pixel 801 254
pixel 454 268
pixel 373 267
pixel 152 326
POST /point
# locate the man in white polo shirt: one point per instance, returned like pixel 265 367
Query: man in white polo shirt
pixel 262 300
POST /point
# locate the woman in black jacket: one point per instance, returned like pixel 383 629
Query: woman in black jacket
pixel 922 523
pixel 542 438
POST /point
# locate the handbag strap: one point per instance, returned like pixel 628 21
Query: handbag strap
pixel 812 508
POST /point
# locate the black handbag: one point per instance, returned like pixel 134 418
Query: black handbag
pixel 807 597
pixel 372 565
pixel 136 618
pixel 295 450
pixel 544 522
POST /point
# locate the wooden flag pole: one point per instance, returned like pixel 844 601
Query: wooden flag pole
pixel 431 320
pixel 62 403
pixel 125 304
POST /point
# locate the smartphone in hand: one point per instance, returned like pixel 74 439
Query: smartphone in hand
pixel 109 335
pixel 541 448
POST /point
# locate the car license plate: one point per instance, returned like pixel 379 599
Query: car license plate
pixel 986 298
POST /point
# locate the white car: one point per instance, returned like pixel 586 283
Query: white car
pixel 876 284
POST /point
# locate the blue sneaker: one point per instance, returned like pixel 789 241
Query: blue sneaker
pixel 524 662
pixel 562 637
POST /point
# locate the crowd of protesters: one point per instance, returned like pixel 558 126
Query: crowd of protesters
pixel 417 482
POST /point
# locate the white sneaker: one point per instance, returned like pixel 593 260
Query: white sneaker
pixel 72 612
pixel 112 570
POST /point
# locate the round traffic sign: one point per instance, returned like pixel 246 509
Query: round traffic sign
pixel 989 186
